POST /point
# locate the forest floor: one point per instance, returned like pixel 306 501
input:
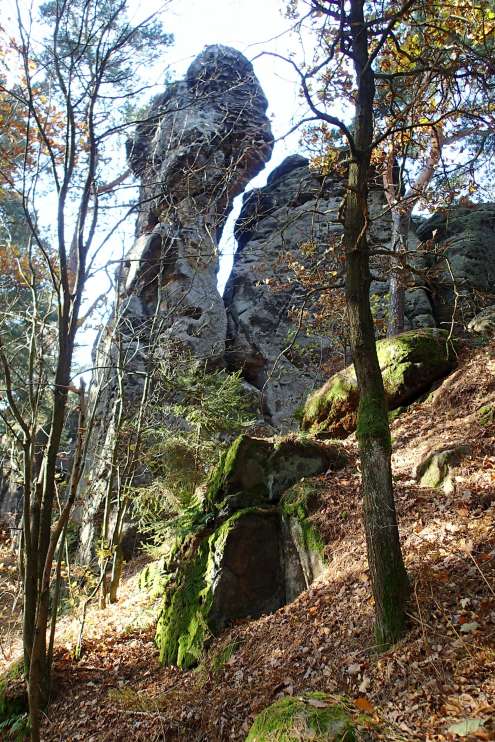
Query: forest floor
pixel 435 685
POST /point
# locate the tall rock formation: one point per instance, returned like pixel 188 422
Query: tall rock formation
pixel 459 261
pixel 203 139
pixel 291 223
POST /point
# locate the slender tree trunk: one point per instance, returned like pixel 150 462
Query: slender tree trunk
pixel 387 572
pixel 396 313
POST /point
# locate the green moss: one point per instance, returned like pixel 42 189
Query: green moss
pixel 182 627
pixel 242 472
pixel 372 420
pixel 310 716
pixel 13 703
pixel 330 398
pixel 486 415
pixel 409 362
pixel 223 470
pixel 296 504
pixel 154 578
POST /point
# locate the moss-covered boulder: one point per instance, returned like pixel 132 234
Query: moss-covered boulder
pixel 437 469
pixel 312 716
pixel 237 572
pixel 257 471
pixel 247 554
pixel 410 363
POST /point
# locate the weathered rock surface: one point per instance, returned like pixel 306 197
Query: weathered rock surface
pixel 410 363
pixel 483 323
pixel 256 471
pixel 203 139
pixel 272 335
pixel 252 554
pixel 463 255
pixel 437 469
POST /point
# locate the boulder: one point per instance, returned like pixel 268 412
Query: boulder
pixel 409 362
pixel 314 716
pixel 484 322
pixel 257 471
pixel 436 470
pixel 248 553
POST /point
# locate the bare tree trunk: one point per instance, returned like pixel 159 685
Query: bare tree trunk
pixel 387 572
pixel 396 311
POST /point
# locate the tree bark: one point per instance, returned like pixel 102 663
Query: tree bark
pixel 387 572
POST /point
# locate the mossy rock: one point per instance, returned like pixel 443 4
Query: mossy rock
pixel 410 364
pixel 257 471
pixel 486 415
pixel 312 716
pixel 234 573
pixel 296 505
pixel 436 470
pixel 233 567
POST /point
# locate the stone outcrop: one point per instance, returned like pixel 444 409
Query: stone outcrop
pixel 251 551
pixel 483 323
pixel 203 139
pixel 409 362
pixel 437 469
pixel 293 223
pixel 459 261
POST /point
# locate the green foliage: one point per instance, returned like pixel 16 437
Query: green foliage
pixel 192 417
pixel 13 704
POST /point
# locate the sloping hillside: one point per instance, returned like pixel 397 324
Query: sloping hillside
pixel 440 675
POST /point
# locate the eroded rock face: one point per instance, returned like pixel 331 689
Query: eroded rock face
pixel 254 554
pixel 269 313
pixel 203 139
pixel 461 253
